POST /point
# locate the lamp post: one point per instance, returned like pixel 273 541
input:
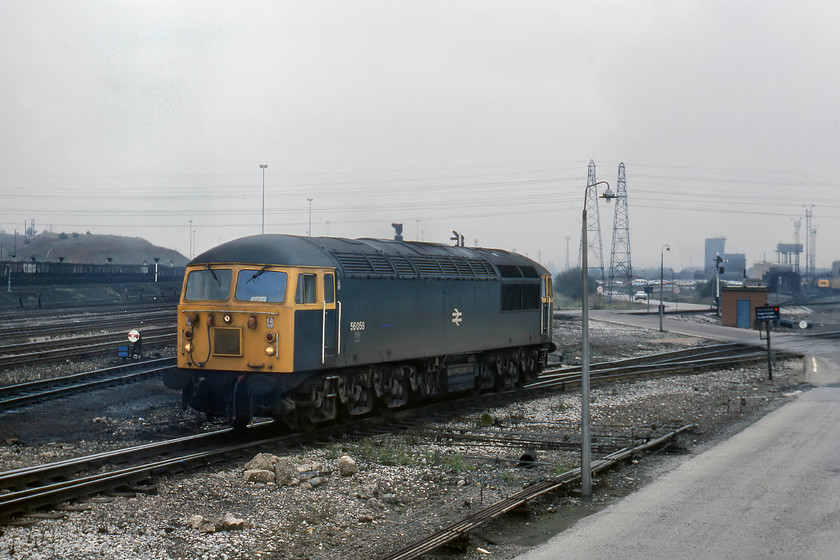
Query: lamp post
pixel 309 231
pixel 718 270
pixel 662 250
pixel 263 166
pixel 586 440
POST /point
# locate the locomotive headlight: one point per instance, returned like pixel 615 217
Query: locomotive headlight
pixel 227 318
pixel 269 350
pixel 192 319
pixel 269 337
pixel 252 322
pixel 187 347
pixel 188 334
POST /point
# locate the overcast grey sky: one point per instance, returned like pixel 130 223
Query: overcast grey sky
pixel 135 117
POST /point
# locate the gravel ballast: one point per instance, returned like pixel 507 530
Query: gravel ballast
pixel 360 499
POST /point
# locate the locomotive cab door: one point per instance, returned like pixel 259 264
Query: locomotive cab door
pixel 330 322
pixel 546 304
pixel 315 320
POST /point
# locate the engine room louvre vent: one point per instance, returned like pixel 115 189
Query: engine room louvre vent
pixel 427 266
pixel 381 265
pixel 354 264
pixel 403 266
pixel 448 266
pixel 463 266
pixel 482 268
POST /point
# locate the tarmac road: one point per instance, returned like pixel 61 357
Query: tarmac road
pixel 771 491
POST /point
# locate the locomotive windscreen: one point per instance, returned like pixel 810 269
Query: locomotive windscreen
pixel 208 284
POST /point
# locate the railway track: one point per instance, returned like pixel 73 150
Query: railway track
pixel 16 314
pixel 45 485
pixel 701 358
pixel 75 347
pixel 30 392
pixel 420 547
pixel 30 488
pixel 663 363
pixel 10 333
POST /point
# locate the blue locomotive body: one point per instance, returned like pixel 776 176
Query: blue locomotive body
pixel 360 323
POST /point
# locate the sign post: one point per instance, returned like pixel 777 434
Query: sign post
pixel 765 315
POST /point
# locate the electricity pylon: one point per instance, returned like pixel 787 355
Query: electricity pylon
pixel 593 228
pixel 620 267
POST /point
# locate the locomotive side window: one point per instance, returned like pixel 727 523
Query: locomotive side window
pixel 519 297
pixel 261 285
pixel 329 288
pixel 208 284
pixel 305 288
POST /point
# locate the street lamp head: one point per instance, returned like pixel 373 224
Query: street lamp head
pixel 608 194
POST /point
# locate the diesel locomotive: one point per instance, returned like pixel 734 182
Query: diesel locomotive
pixel 308 329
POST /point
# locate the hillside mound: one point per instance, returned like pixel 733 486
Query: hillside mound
pixel 87 248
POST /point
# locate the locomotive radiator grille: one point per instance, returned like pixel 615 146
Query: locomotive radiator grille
pixel 227 342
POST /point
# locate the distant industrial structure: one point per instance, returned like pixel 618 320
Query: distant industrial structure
pixel 733 266
pixel 784 276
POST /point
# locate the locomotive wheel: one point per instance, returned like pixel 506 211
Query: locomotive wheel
pixel 529 365
pixel 499 375
pixel 391 387
pixel 319 401
pixel 355 394
pixel 486 376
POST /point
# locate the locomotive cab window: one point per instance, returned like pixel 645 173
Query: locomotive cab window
pixel 306 288
pixel 261 285
pixel 208 284
pixel 546 291
pixel 329 288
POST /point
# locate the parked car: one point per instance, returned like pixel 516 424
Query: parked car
pixel 640 295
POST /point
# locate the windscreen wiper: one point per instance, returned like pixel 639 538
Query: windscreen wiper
pixel 257 274
pixel 213 274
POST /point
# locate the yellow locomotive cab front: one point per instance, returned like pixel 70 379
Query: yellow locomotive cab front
pixel 233 318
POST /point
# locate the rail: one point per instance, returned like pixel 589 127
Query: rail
pixel 469 523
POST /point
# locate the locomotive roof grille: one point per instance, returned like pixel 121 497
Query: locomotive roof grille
pixel 381 265
pixel 427 266
pixel 354 264
pixel 449 267
pixel 413 266
pixel 403 265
